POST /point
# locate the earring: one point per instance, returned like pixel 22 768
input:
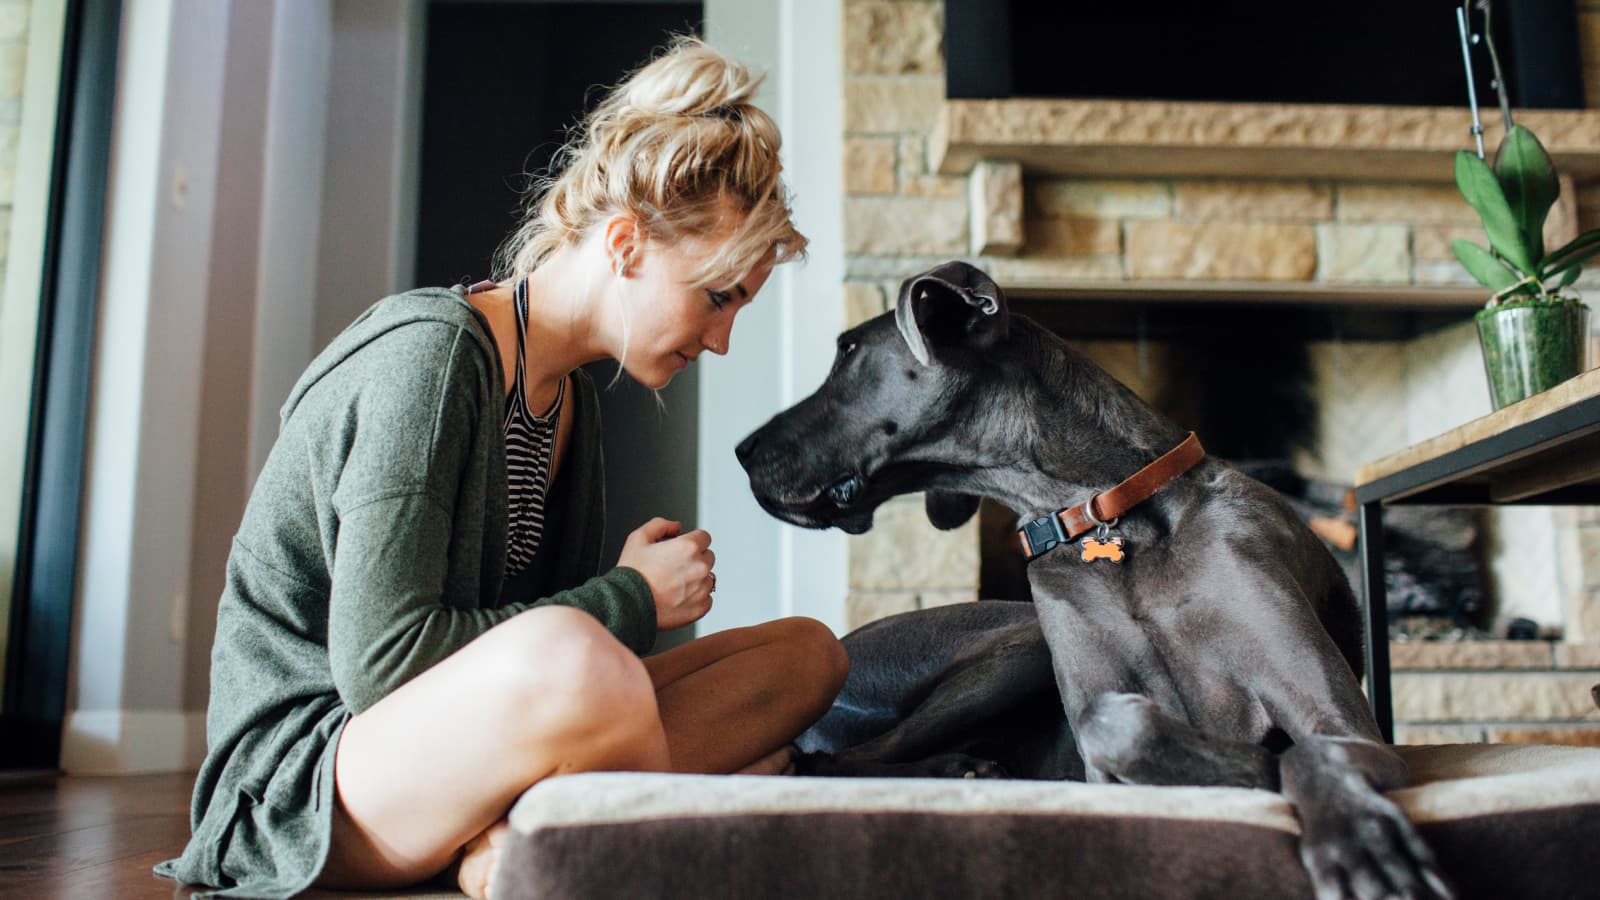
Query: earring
pixel 621 269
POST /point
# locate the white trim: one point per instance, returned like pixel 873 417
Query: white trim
pixel 368 202
pixel 117 742
pixel 295 135
pixel 406 192
pixel 740 390
pixel 814 563
pixel 24 278
pixel 784 341
pixel 101 614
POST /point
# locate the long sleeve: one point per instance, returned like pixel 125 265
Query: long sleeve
pixel 387 622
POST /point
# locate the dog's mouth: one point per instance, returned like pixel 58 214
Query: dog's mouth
pixel 844 493
pixel 839 503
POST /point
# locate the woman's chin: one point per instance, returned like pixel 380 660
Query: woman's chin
pixel 655 379
pixel 656 374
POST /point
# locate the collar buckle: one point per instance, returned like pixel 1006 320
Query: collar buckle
pixel 1041 535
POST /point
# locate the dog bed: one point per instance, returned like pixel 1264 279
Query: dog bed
pixel 1504 821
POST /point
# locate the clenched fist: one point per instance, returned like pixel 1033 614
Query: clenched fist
pixel 676 565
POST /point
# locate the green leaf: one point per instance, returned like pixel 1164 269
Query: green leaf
pixel 1580 246
pixel 1490 272
pixel 1573 263
pixel 1482 190
pixel 1528 179
pixel 1570 276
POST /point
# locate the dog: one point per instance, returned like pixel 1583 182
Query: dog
pixel 1219 648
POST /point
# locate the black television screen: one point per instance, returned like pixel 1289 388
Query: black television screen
pixel 1400 52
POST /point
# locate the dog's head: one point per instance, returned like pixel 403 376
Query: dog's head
pixel 897 413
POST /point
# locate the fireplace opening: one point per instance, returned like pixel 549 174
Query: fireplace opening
pixel 1365 52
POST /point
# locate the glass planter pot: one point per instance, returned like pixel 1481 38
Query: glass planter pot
pixel 1532 347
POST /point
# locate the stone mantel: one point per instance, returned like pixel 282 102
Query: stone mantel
pixel 1161 139
pixel 1309 294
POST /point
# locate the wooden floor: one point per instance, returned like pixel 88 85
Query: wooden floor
pixel 94 838
pixel 91 837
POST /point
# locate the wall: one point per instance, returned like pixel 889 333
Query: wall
pixel 783 343
pixel 142 430
pixel 210 309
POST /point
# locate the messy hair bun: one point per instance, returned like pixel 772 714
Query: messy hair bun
pixel 680 146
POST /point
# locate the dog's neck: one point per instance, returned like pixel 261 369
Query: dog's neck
pixel 1084 431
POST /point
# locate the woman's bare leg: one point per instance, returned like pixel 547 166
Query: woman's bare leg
pixel 729 702
pixel 723 702
pixel 441 759
pixel 732 698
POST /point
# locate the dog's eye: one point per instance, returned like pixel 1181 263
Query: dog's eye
pixel 846 348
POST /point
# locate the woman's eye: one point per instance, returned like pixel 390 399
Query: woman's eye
pixel 719 299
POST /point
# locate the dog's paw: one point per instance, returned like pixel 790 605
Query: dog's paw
pixel 1368 853
pixel 960 765
pixel 818 763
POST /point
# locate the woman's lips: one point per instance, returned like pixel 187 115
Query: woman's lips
pixel 683 361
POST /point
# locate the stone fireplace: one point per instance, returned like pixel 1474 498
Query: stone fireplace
pixel 1344 212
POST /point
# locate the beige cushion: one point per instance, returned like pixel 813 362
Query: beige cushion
pixel 1504 821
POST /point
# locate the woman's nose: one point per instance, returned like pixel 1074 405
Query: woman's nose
pixel 717 340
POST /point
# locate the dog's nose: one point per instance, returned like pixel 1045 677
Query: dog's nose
pixel 747 447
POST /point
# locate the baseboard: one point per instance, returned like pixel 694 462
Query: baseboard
pixel 129 742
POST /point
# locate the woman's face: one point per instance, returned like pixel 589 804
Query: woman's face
pixel 671 321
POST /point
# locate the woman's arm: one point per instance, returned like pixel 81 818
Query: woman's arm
pixel 417 433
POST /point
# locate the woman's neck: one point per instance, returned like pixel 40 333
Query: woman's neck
pixel 564 329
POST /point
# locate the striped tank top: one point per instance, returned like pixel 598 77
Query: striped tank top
pixel 530 450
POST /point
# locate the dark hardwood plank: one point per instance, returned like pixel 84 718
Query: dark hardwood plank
pixel 92 838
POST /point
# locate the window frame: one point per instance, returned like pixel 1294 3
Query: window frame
pixel 37 650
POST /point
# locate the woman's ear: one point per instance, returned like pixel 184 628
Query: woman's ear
pixel 622 240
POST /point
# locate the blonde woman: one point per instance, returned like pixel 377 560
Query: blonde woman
pixel 415 627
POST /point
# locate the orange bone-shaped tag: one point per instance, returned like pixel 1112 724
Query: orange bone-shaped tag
pixel 1093 550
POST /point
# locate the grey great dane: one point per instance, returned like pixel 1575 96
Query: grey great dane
pixel 1206 637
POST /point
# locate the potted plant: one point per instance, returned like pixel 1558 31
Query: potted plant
pixel 1534 335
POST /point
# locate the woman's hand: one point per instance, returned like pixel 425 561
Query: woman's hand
pixel 677 567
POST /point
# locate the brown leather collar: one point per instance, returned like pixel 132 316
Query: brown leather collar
pixel 1066 525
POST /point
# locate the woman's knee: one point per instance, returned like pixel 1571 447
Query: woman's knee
pixel 563 663
pixel 813 647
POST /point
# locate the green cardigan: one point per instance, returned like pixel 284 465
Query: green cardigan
pixel 373 546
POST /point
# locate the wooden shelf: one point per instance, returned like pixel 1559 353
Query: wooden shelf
pixel 1160 139
pixel 1310 294
pixel 1519 453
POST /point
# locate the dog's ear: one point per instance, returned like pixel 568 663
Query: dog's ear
pixel 947 510
pixel 950 303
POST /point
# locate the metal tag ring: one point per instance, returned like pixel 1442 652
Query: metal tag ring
pixel 1088 510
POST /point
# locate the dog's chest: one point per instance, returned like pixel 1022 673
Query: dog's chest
pixel 1180 652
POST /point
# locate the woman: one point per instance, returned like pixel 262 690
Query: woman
pixel 413 631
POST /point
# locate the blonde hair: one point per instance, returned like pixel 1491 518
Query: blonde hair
pixel 679 146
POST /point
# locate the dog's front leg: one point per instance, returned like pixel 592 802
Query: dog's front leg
pixel 1129 737
pixel 1355 842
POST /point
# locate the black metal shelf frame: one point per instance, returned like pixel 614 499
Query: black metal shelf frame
pixel 1443 481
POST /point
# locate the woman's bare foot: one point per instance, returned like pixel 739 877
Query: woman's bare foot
pixel 477 861
pixel 778 762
